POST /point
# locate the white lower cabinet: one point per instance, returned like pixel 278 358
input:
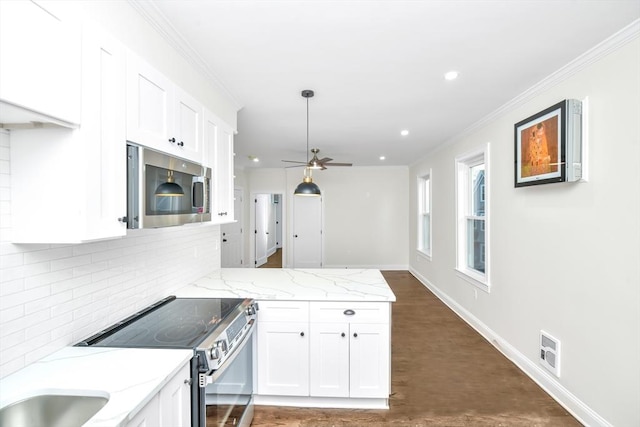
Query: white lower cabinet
pixel 350 358
pixel 175 400
pixel 170 407
pixel 148 416
pixel 320 350
pixel 283 348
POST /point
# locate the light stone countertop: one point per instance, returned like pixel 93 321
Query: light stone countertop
pixel 129 377
pixel 324 284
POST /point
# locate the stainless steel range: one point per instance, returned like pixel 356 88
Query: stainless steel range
pixel 220 332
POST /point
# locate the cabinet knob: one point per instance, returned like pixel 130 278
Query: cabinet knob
pixel 181 144
pixel 301 334
pixel 224 240
pixel 349 312
pixel 172 140
pixel 123 219
pixel 343 335
pixel 188 381
pixel 295 235
pixel 355 335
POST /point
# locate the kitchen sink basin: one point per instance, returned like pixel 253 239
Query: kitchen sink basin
pixel 51 410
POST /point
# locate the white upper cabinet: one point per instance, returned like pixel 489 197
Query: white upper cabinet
pixel 160 115
pixel 218 149
pixel 39 65
pixel 69 186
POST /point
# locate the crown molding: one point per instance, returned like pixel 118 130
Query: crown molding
pixel 163 26
pixel 599 51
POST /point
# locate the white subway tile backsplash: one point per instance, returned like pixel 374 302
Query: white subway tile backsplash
pixel 20 298
pixel 12 313
pixel 75 261
pixel 47 278
pixel 48 254
pixel 57 295
pixel 11 287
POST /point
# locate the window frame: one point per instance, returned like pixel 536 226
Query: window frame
pixel 463 209
pixel 424 183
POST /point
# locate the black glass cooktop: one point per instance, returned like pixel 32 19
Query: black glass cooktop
pixel 170 323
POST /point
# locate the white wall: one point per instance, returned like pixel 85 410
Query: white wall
pixel 365 213
pixel 564 257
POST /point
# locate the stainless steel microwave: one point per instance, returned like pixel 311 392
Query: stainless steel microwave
pixel 165 191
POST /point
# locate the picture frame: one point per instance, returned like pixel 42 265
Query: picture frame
pixel 540 147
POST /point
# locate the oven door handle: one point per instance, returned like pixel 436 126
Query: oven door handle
pixel 209 379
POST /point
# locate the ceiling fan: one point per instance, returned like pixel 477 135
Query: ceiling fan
pixel 316 163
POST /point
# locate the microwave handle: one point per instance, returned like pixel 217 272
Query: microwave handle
pixel 198 192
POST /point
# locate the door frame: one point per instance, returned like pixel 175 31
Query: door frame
pixel 252 226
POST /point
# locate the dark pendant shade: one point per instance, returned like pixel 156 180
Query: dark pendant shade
pixel 307 189
pixel 169 188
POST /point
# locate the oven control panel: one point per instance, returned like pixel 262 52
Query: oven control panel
pixel 211 358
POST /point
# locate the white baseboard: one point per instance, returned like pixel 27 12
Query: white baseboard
pixel 557 391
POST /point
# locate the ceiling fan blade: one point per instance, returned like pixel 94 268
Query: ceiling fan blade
pixel 294 161
pixel 339 164
pixel 296 166
pixel 325 160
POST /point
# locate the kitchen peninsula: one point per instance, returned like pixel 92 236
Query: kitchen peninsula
pixel 323 335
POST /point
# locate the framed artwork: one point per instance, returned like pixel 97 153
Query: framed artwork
pixel 540 147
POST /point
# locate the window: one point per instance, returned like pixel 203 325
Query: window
pixel 472 204
pixel 424 214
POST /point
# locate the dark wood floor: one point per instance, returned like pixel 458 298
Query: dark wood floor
pixel 274 261
pixel 443 374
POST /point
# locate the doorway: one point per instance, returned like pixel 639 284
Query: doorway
pixel 268 230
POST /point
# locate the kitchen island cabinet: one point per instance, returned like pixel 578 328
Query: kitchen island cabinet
pixel 283 348
pixel 323 335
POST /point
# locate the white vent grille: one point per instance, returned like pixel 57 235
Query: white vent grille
pixel 550 353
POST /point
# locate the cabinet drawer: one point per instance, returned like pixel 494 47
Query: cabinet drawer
pixel 372 312
pixel 283 311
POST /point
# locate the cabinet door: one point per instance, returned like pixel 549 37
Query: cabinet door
pixel 103 134
pixel 39 61
pixel 150 100
pixel 218 153
pixel 188 126
pixel 369 360
pixel 148 416
pixel 329 360
pixel 175 400
pixel 283 358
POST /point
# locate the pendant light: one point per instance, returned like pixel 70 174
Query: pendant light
pixel 307 187
pixel 169 188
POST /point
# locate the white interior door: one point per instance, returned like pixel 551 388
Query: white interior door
pixel 307 232
pixel 231 234
pixel 262 204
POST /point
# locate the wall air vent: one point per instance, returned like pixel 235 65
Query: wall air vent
pixel 550 353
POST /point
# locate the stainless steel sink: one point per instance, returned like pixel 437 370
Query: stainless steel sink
pixel 51 410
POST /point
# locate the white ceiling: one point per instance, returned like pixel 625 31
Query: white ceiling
pixel 377 66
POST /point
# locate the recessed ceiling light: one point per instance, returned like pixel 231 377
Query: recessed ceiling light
pixel 451 75
pixel 382 157
pixel 404 132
